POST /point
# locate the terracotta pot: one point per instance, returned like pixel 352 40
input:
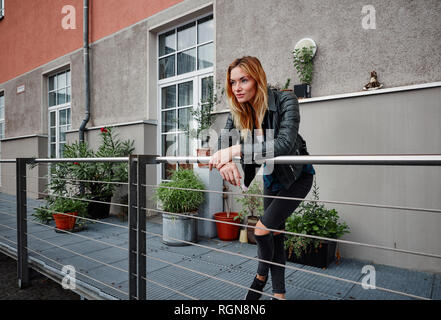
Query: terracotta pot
pixel 63 221
pixel 226 231
pixel 203 152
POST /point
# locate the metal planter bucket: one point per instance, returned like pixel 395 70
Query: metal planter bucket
pixel 175 228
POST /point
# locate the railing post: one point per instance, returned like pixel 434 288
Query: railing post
pixel 141 253
pixel 132 219
pixel 22 238
pixel 143 160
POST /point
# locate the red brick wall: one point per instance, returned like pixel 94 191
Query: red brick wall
pixel 31 33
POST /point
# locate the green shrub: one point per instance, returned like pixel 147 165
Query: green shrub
pixel 312 218
pixel 181 201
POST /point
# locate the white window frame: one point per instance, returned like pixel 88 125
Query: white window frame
pixel 194 76
pixel 57 109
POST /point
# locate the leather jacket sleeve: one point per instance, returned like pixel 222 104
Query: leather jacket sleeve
pixel 286 128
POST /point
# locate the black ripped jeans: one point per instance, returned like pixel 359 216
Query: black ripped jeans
pixel 270 247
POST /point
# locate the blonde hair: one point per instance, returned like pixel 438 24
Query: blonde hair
pixel 249 115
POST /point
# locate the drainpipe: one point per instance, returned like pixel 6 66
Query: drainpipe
pixel 86 68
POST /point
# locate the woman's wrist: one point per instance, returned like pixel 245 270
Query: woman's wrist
pixel 236 150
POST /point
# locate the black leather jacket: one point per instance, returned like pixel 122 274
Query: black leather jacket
pixel 284 118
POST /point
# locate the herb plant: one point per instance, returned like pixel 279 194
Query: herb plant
pixel 312 218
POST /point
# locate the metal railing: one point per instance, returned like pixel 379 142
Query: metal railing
pixel 137 213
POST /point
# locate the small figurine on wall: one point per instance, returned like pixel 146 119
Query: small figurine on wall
pixel 373 83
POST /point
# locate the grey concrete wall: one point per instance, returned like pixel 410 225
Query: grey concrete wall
pixel 32 147
pixel 392 123
pixel 404 49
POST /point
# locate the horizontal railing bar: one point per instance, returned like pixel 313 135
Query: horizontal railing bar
pixel 7 160
pixel 14 242
pixel 304 235
pixel 208 275
pixel 79 217
pixel 77 253
pixel 8 214
pixel 396 159
pixel 173 290
pixel 78 272
pixel 79 199
pixel 54 177
pixel 79 235
pixel 301 199
pixel 288 267
pixel 62 160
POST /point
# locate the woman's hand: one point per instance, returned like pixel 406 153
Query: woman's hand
pixel 231 174
pixel 224 156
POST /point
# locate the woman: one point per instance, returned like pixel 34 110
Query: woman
pixel 254 107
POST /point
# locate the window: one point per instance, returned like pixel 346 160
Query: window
pixel 2 9
pixel 187 48
pixel 59 97
pixel 185 69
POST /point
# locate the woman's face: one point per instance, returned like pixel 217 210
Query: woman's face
pixel 242 85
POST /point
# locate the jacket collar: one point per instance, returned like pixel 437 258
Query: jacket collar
pixel 271 100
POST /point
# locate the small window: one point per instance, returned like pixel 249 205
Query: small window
pixel 2 9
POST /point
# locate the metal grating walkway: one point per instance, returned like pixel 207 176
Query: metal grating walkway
pixel 98 281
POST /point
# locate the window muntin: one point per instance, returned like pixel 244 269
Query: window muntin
pixel 2 115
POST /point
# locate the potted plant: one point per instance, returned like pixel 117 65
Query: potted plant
pixel 94 176
pixel 312 218
pixel 65 211
pixel 176 228
pixel 227 231
pixel 252 209
pixel 302 59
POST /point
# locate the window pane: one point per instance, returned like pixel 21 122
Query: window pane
pixel 53 133
pixel 61 96
pixel 186 61
pixel 185 94
pixel 169 120
pixel 61 81
pixel 167 168
pixel 52 120
pixel 183 145
pixel 168 97
pixel 2 112
pixel 187 36
pixel 62 117
pixel 184 117
pixel 207 89
pixel 166 67
pixel 52 83
pixel 2 130
pixel 62 134
pixel 52 99
pixel 205 56
pixel 169 145
pixel 53 150
pixel 61 146
pixel 68 78
pixel 68 120
pixel 205 29
pixel 167 43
